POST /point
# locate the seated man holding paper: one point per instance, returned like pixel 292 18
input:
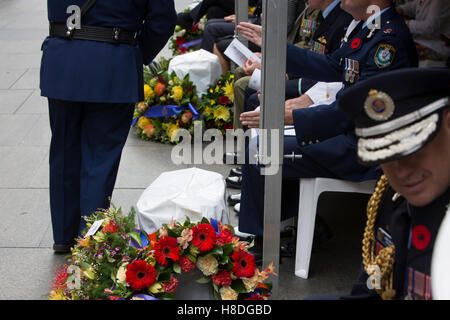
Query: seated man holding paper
pixel 324 138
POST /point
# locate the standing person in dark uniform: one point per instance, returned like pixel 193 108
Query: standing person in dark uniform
pixel 402 122
pixel 92 78
pixel 324 134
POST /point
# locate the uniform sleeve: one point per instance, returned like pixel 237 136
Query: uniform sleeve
pixel 158 27
pixel 437 16
pixel 301 63
pixel 320 123
pixel 359 290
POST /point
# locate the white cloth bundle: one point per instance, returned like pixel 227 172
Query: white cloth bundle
pixel 192 192
pixel 202 66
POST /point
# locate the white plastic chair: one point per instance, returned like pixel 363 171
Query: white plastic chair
pixel 310 190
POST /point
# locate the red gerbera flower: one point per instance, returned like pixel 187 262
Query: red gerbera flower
pixel 140 274
pixel 203 237
pixel 224 100
pixel 244 264
pixel 222 278
pixel 167 247
pixel 226 236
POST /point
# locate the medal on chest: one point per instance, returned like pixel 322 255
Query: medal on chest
pixel 351 70
pixel 308 27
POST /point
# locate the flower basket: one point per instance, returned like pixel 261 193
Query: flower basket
pixel 114 261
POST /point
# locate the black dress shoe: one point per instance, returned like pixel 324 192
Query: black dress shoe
pixel 234 182
pixel 62 248
pixel 235 172
pixel 233 199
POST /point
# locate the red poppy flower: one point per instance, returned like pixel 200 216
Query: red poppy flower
pixel 186 264
pixel 112 228
pixel 203 237
pixel 61 275
pixel 244 264
pixel 140 275
pixel 224 100
pixel 420 237
pixel 167 247
pixel 355 43
pixel 222 278
pixel 224 237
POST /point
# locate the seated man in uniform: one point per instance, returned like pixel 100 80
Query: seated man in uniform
pixel 324 134
pixel 402 121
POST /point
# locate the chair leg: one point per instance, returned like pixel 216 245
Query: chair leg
pixel 305 226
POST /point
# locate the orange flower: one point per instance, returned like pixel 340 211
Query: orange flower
pixel 85 242
pixel 159 89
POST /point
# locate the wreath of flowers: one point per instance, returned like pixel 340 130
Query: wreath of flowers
pixel 217 104
pixel 115 261
pixel 187 39
pixel 162 89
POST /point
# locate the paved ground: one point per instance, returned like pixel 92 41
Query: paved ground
pixel 26 258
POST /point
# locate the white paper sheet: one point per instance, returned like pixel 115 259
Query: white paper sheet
pixel 239 53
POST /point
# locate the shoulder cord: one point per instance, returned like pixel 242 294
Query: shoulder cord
pixel 385 258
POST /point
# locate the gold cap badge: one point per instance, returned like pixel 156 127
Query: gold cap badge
pixel 379 106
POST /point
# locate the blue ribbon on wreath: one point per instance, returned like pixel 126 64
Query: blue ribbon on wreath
pixel 191 43
pixel 167 111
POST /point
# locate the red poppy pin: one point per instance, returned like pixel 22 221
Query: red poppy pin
pixel 420 237
pixel 355 43
pixel 387 31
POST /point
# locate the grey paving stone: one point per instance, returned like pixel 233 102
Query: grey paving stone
pixel 9 76
pixel 30 79
pixel 12 100
pixel 140 165
pixel 25 216
pixel 14 128
pixel 26 274
pixel 40 178
pixel 39 134
pixel 35 104
pixel 18 165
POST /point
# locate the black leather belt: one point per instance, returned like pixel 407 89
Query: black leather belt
pixel 93 33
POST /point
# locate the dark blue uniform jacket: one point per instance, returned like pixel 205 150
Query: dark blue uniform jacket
pixel 89 71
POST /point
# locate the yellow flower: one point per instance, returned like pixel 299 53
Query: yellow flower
pixel 84 242
pixel 172 131
pixel 148 92
pixel 212 102
pixel 177 93
pixel 209 111
pixel 227 293
pixel 156 288
pixel 143 122
pixel 57 295
pixel 223 113
pixel 229 92
pixel 217 89
pixel 208 265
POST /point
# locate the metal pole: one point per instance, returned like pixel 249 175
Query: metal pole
pixel 272 117
pixel 241 11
